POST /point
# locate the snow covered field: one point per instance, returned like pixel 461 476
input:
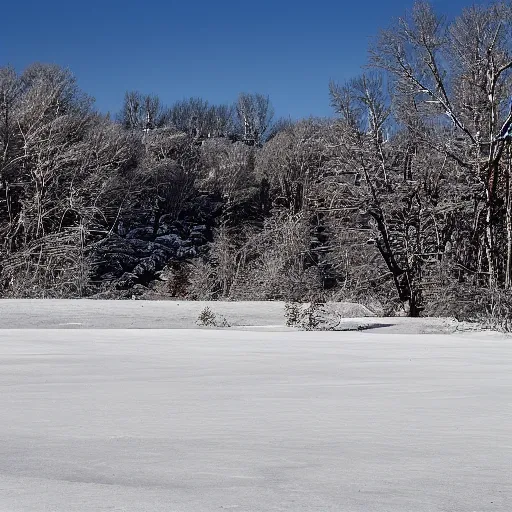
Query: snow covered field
pixel 102 314
pixel 247 419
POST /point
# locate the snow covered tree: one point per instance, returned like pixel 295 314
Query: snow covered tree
pixel 254 114
pixel 141 112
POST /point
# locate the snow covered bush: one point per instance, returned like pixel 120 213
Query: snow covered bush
pixel 325 316
pixel 207 318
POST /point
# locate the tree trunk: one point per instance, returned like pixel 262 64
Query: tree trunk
pixel 489 233
pixel 489 247
pixel 508 222
pixel 414 306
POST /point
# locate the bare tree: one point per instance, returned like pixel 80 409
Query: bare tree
pixel 141 112
pixel 166 175
pixel 459 75
pixel 10 87
pixel 292 162
pixel 400 206
pixel 58 162
pixel 228 168
pixel 201 120
pixel 254 115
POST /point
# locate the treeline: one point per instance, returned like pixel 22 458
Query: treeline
pixel 402 200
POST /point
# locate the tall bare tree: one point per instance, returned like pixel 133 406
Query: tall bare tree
pixel 141 112
pixel 201 120
pixel 458 75
pixel 254 115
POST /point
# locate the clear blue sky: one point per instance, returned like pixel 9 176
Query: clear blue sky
pixel 177 49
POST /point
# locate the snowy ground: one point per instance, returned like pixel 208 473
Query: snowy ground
pixel 248 420
pixel 101 314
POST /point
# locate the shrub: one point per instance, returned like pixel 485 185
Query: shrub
pixel 207 318
pixel 492 309
pixel 310 317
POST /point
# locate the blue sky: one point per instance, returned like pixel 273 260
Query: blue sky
pixel 177 49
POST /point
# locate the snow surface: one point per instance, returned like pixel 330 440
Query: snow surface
pixel 135 314
pixel 205 420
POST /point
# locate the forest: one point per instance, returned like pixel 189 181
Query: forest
pixel 402 200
